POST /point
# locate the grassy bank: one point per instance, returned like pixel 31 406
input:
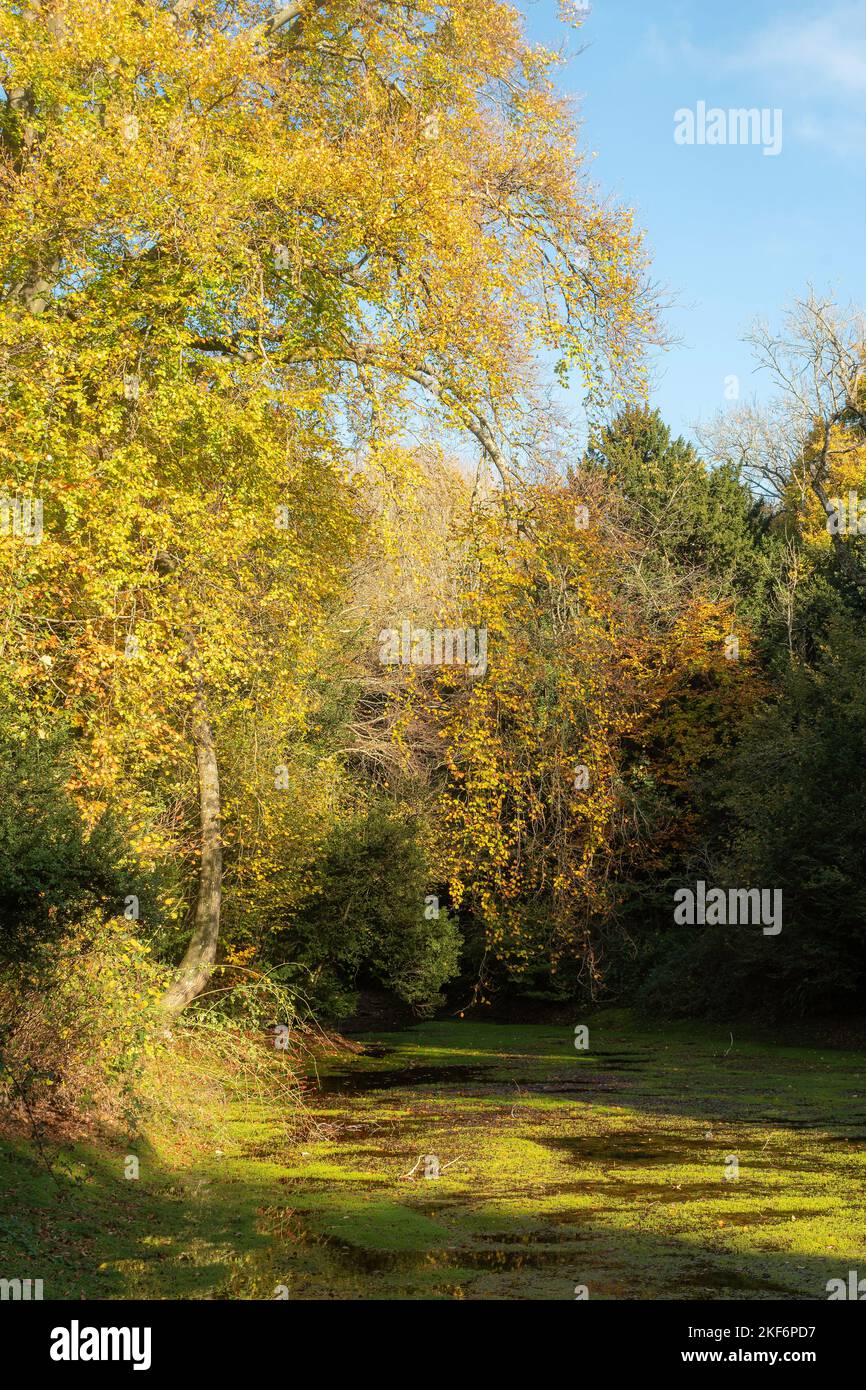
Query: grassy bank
pixel 611 1169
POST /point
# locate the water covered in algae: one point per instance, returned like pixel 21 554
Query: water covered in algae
pixel 657 1164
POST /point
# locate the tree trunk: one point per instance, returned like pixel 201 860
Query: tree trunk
pixel 195 969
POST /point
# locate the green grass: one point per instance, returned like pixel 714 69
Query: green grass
pixel 605 1168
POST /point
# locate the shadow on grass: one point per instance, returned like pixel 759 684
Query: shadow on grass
pixel 90 1232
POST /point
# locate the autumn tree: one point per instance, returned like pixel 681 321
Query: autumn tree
pixel 240 249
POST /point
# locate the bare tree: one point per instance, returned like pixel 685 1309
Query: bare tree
pixel 817 363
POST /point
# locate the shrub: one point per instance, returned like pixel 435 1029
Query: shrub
pixel 365 923
pixel 53 873
pixel 77 1021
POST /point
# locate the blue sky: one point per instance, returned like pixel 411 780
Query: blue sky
pixel 734 233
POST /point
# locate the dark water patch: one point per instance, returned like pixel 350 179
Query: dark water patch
pixel 358 1082
pixel 584 1077
pixel 483 1077
pixel 538 1254
pixel 580 1078
pixel 672 1194
pixel 359 1157
pixel 383 1130
pixel 767 1216
pixel 574 1216
pixel 620 1150
pixel 361 1137
pixel 541 1255
pixel 616 1061
pixel 524 1240
pixel 709 1277
pixel 597 1083
pixel 820 1124
pixel 787 1162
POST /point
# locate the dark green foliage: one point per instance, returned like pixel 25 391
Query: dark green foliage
pixel 788 813
pixel 798 797
pixel 784 808
pixel 366 923
pixel 702 526
pixel 52 872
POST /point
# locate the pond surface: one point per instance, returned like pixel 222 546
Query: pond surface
pixel 474 1160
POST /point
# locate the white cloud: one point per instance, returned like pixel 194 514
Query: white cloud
pixel 812 61
pixel 824 54
pixel 838 135
pixel 816 53
pixel 667 53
